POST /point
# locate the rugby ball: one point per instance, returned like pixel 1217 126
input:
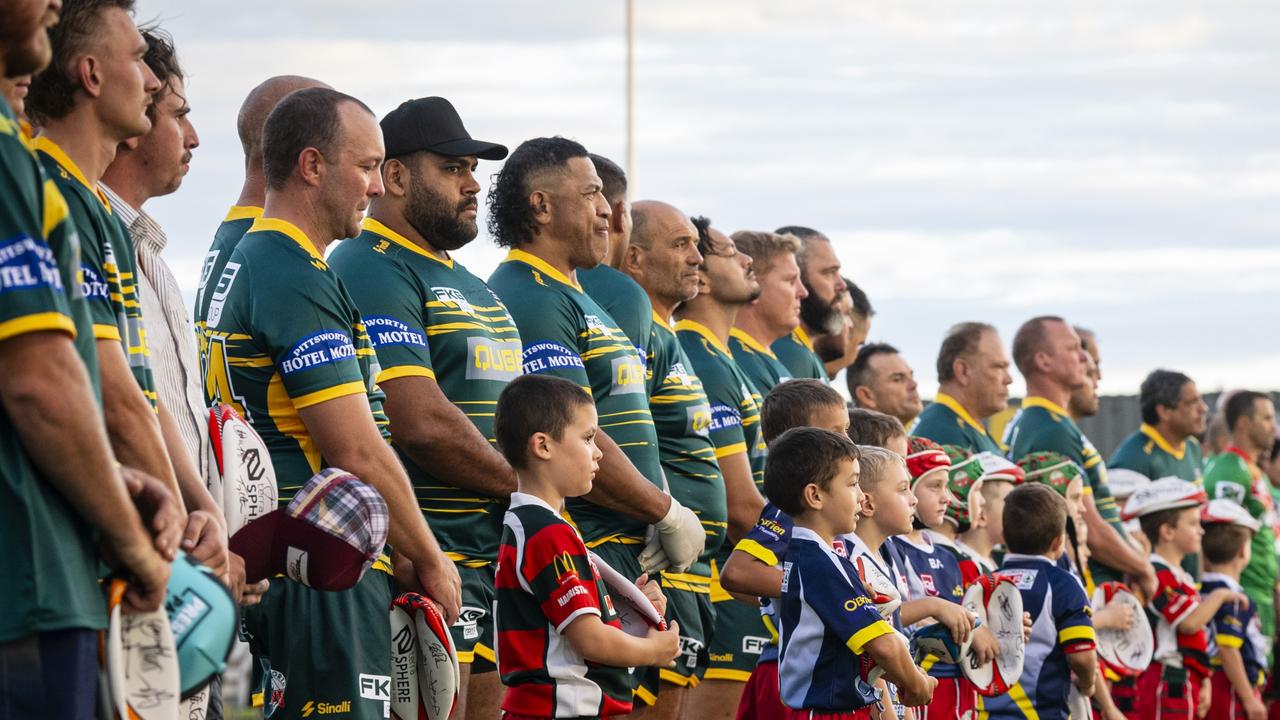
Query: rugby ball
pixel 884 591
pixel 635 611
pixel 424 666
pixel 248 479
pixel 1124 651
pixel 998 605
pixel 138 662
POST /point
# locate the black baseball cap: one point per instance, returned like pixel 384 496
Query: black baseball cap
pixel 431 123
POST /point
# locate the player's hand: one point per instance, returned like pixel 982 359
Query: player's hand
pixel 161 513
pixel 1026 627
pixel 1086 690
pixel 958 620
pixel 1254 709
pixel 920 695
pixel 681 535
pixel 653 558
pixel 1114 616
pixel 1144 585
pixel 147 571
pixel 985 649
pixel 666 644
pixel 1206 696
pixel 244 593
pixel 204 540
pixel 439 580
pixel 652 589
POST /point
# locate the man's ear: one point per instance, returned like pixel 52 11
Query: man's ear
pixel 395 177
pixel 90 72
pixel 310 166
pixel 865 399
pixel 960 371
pixel 631 261
pixel 618 217
pixel 540 203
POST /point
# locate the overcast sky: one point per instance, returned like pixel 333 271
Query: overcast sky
pixel 1116 163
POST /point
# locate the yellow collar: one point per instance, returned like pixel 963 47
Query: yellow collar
pixel 541 266
pixel 662 321
pixel 803 337
pixel 705 332
pixel 1047 404
pixel 378 228
pixel 1161 443
pixel 264 224
pixel 59 156
pixel 751 342
pixel 954 406
pixel 243 212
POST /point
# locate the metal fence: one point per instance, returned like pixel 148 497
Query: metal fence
pixel 1120 415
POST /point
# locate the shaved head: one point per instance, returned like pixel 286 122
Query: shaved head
pixel 259 104
pixel 652 218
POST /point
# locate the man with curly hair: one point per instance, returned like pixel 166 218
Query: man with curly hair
pixel 548 206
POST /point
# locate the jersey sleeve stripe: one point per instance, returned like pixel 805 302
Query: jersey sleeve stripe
pixel 733 449
pixel 337 391
pixel 592 610
pixel 392 373
pixel 757 551
pixel 1076 633
pixel 867 634
pixel 1231 641
pixel 106 332
pixel 35 323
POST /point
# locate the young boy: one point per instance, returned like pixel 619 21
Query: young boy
pixel 1062 638
pixel 887 508
pixel 1169 512
pixel 754 568
pixel 1240 668
pixel 870 427
pixel 829 625
pixel 561 649
pixel 935 581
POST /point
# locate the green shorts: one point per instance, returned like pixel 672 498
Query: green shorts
pixel 473 632
pixel 689 604
pixel 323 653
pixel 738 639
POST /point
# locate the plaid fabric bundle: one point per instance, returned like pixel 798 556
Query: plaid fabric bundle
pixel 337 502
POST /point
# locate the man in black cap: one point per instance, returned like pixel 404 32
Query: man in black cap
pixel 447 347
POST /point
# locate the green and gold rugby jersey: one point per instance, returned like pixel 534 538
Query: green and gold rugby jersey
pixel 946 422
pixel 427 316
pixel 237 222
pixel 682 416
pixel 283 334
pixel 564 332
pixel 49 566
pixel 795 351
pixel 761 366
pixel 1044 426
pixel 108 263
pixel 735 405
pixel 1147 452
pixel 624 300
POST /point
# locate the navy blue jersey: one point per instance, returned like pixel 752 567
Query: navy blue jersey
pixel 1061 623
pixel 1237 626
pixel 932 571
pixel 827 618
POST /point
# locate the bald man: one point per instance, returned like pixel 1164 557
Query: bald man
pixel 249 124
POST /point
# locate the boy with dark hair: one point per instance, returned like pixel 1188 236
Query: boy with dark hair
pixel 754 568
pixel 1177 680
pixel 871 427
pixel 1062 638
pixel 1240 668
pixel 561 649
pixel 830 631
